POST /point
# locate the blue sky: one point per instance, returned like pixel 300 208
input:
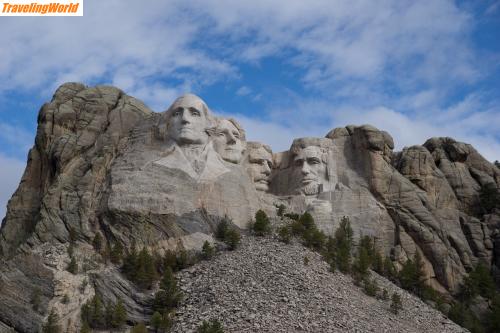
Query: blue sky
pixel 285 69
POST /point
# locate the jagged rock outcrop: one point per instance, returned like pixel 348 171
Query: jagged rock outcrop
pixel 104 164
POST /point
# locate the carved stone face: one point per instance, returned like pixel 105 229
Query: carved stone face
pixel 227 141
pixel 259 166
pixel 188 121
pixel 309 170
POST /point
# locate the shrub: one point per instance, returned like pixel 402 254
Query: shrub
pixel 292 216
pixel 139 328
pixel 385 295
pixel 314 239
pixel 214 326
pixel 140 268
pixel 370 287
pixel 207 251
pixel 262 225
pixel 222 229
pixel 51 325
pixel 280 210
pixel 232 239
pixel 284 234
pixel 396 304
pixel 156 320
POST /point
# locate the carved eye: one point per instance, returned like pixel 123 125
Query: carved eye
pixel 177 112
pixel 314 161
pixel 299 162
pixel 236 135
pixel 195 113
pixel 221 134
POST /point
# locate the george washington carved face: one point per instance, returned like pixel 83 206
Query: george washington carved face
pixel 188 120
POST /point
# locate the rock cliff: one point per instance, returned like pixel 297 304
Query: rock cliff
pixel 104 164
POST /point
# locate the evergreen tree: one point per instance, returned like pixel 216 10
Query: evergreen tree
pixel 156 320
pixel 412 275
pixel 307 221
pixel 262 225
pixel 169 294
pixel 119 315
pixel 222 229
pixel 97 242
pixel 170 260
pixel 280 210
pixel 389 269
pixel 284 234
pixel 207 251
pixel 361 263
pixel 116 254
pixel 130 263
pixel 343 245
pixel 493 319
pixel 146 270
pixel 489 197
pixel 72 266
pixel 396 304
pixel 51 325
pixel 139 328
pixel 85 328
pixel 233 238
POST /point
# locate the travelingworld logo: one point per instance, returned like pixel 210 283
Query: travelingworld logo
pixel 41 8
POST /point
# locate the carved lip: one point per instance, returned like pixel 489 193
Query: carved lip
pixel 307 181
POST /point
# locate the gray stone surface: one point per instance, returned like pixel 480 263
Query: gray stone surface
pixel 104 163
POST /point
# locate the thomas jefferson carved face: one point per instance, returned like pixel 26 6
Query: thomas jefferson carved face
pixel 188 120
pixel 260 161
pixel 309 170
pixel 228 141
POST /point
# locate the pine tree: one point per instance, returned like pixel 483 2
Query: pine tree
pixel 222 229
pixel 156 320
pixel 396 304
pixel 119 315
pixel 233 238
pixel 51 325
pixel 116 254
pixel 343 245
pixel 262 225
pixel 97 242
pixel 307 221
pixel 139 328
pixel 169 294
pixel 207 251
pixel 280 210
pixel 85 328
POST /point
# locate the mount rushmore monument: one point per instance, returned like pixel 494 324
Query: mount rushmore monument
pixel 103 163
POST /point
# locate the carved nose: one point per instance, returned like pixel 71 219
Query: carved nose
pixel 305 169
pixel 267 169
pixel 230 139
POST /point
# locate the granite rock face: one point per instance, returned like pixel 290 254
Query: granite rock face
pixel 103 163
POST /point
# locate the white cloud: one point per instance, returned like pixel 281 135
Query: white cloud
pixel 12 170
pixel 17 137
pixel 243 91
